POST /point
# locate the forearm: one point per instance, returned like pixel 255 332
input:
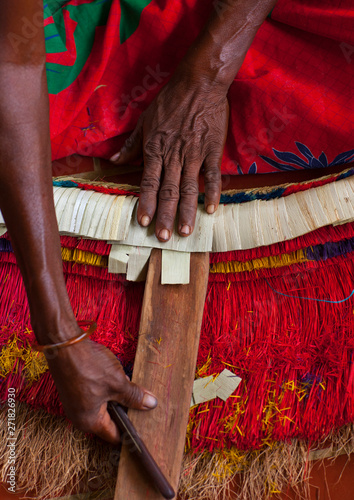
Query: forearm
pixel 26 196
pixel 220 49
pixel 26 193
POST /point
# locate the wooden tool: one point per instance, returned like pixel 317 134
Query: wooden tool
pixel 165 364
pixel 137 448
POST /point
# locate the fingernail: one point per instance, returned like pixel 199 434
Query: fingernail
pixel 149 401
pixel 210 209
pixel 145 220
pixel 115 157
pixel 164 234
pixel 185 229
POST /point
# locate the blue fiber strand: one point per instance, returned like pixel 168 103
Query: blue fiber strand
pixel 64 184
pixel 310 298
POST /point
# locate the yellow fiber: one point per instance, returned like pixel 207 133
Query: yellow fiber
pixel 272 261
pixel 81 257
pixel 203 370
pixel 8 357
pixel 34 363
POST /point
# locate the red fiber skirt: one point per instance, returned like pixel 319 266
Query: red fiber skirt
pixel 291 104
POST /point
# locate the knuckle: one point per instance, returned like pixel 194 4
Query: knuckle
pixel 212 177
pixel 132 396
pixel 187 216
pixel 189 188
pixel 152 149
pixel 150 183
pixel 165 219
pixel 213 146
pixel 169 192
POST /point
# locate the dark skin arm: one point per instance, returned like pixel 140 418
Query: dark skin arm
pixel 185 127
pixel 87 375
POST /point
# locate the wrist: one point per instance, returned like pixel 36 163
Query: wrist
pixel 202 77
pixel 207 64
pixel 55 328
pixel 52 348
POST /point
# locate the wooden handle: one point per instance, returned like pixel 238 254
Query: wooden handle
pixel 165 364
pixel 137 448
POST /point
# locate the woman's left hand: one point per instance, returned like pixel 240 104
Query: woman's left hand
pixel 183 130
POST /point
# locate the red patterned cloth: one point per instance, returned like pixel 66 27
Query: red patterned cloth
pixel 291 103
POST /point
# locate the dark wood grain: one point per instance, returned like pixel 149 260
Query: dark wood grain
pixel 165 364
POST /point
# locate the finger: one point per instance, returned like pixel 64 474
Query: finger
pixel 107 429
pixel 189 191
pixel 212 182
pixel 132 148
pixel 168 198
pixel 98 423
pixel 134 396
pixel 149 186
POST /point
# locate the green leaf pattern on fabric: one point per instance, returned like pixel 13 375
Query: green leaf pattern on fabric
pixel 87 17
pixel 130 16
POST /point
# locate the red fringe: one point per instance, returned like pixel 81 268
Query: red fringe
pixel 94 246
pixel 271 340
pixel 294 355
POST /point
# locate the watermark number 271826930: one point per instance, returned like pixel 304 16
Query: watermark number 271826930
pixel 11 440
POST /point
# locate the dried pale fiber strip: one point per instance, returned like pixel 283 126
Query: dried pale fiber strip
pixel 203 390
pixel 231 233
pixel 269 222
pixel 118 258
pixel 208 388
pixel 175 267
pixel 304 200
pixel 226 383
pixel 104 216
pixel 233 227
pixel 317 210
pixel 83 208
pixel 346 199
pixel 75 213
pixel 329 203
pixel 61 204
pixel 345 208
pixel 57 194
pixel 246 221
pixel 138 264
pixel 297 221
pixel 283 221
pixel 126 217
pixel 67 215
pixel 97 216
pixel 219 235
pixel 111 226
pixel 90 214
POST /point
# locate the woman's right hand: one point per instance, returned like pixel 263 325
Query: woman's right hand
pixel 88 375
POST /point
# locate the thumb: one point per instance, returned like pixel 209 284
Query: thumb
pixel 132 148
pixel 134 396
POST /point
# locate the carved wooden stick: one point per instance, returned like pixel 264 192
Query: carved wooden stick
pixel 165 364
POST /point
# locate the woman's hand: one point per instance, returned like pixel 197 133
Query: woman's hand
pixel 185 127
pixel 183 130
pixel 87 376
